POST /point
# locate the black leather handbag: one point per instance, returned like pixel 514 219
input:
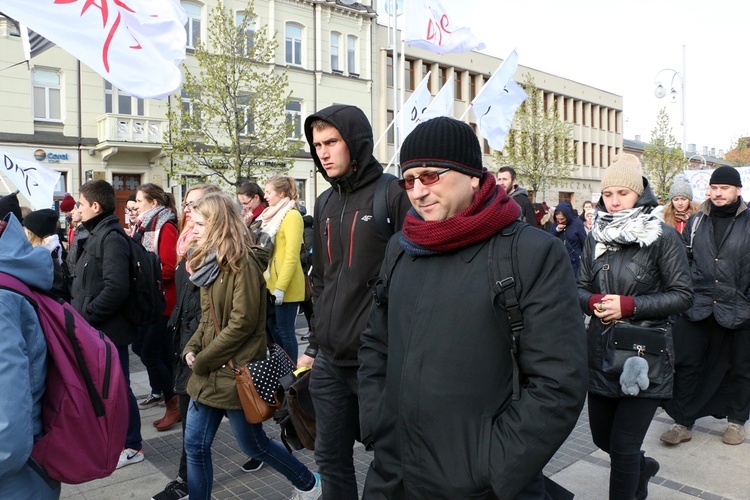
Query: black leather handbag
pixel 626 340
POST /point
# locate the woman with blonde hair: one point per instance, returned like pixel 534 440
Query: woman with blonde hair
pixel 282 225
pixel 681 205
pixel 233 297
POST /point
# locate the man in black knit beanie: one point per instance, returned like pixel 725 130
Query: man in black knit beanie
pixel 712 343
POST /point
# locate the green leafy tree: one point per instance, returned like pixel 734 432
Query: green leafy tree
pixel 663 158
pixel 739 154
pixel 539 146
pixel 230 124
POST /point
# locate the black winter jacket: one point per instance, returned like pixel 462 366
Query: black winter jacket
pixel 721 277
pixel 348 248
pixel 521 196
pixel 101 281
pixel 658 279
pixel 183 322
pixel 436 374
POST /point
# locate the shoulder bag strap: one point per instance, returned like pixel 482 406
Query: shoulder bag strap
pixel 216 323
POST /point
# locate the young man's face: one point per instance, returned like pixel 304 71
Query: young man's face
pixel 332 151
pixel 88 210
pixel 505 180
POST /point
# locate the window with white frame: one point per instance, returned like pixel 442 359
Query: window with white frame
pixel 294 116
pixel 335 42
pixel 191 113
pixel 245 120
pixel 120 102
pixel 293 44
pixel 248 37
pixel 351 55
pixel 193 24
pixel 47 98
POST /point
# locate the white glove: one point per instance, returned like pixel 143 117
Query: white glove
pixel 279 294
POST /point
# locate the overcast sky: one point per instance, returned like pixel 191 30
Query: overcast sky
pixel 621 46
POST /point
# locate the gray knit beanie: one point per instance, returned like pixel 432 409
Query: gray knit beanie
pixel 681 187
pixel 624 172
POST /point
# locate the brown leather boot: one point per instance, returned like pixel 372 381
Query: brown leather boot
pixel 171 417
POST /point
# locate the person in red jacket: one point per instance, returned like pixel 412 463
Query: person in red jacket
pixel 157 232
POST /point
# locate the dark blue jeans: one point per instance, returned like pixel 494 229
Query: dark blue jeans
pixel 281 326
pixel 200 430
pixel 133 438
pixel 158 358
pixel 334 394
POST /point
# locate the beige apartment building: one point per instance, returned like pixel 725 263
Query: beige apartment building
pixel 60 112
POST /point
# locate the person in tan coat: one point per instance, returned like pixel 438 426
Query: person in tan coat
pixel 233 289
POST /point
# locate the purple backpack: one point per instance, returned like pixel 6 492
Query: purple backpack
pixel 85 403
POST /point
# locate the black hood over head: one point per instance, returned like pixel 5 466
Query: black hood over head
pixel 356 131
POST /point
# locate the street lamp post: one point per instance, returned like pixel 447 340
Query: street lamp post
pixel 660 92
pixel 690 160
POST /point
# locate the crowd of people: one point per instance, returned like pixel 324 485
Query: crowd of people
pixel 389 365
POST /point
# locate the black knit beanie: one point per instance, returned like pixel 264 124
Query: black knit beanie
pixel 9 205
pixel 41 222
pixel 443 142
pixel 726 175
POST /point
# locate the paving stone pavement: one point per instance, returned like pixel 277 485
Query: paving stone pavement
pixel 703 468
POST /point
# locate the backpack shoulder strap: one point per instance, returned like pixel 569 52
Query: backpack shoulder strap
pixel 379 285
pixel 693 230
pixel 380 205
pixel 321 202
pixel 502 269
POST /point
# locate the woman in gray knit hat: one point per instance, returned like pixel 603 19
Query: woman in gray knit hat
pixel 681 205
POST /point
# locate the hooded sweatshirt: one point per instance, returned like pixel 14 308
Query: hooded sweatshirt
pixel 573 236
pixel 348 247
pixel 23 356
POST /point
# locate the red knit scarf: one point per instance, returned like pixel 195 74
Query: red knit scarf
pixel 490 211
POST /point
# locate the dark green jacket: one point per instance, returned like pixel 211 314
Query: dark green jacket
pixel 240 303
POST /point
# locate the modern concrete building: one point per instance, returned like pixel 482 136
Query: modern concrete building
pixel 60 111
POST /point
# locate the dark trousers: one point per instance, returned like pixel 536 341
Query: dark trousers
pixel 184 400
pixel 618 426
pixel 334 394
pixel 133 437
pixel 158 357
pixel 712 372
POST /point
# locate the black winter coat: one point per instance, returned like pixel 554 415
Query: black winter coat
pixel 183 323
pixel 348 247
pixel 721 277
pixel 436 374
pixel 658 279
pixel 101 281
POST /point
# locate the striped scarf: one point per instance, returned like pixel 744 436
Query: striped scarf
pixel 613 231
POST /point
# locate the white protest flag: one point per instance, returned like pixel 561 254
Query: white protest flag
pixel 442 104
pixel 136 45
pixel 497 102
pixel 34 181
pixel 411 111
pixel 428 26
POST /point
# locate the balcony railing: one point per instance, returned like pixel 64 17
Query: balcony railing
pixel 129 128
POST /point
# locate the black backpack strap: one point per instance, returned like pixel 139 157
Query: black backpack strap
pixel 381 207
pixel 379 285
pixel 501 260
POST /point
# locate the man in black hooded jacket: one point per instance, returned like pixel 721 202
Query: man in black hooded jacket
pixel 348 249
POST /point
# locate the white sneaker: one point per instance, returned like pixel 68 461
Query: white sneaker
pixel 129 456
pixel 313 494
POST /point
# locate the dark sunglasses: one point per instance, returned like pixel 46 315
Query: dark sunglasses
pixel 426 178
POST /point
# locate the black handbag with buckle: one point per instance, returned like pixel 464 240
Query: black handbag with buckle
pixel 626 340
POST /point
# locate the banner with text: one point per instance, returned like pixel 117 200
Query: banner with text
pixel 34 181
